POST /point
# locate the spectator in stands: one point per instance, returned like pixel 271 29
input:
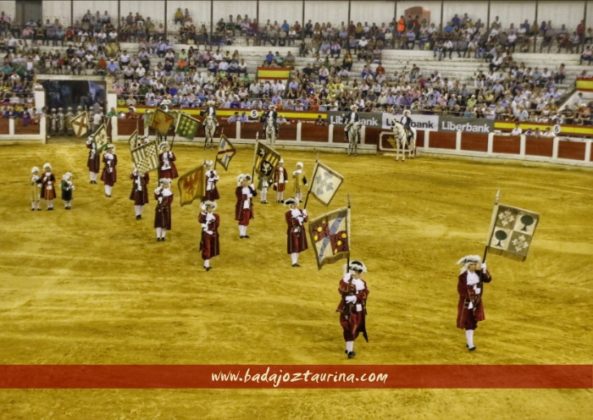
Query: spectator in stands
pixel 587 55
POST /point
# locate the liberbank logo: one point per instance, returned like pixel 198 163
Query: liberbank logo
pixel 472 125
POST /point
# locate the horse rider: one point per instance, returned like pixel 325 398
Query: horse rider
pixel 271 113
pixel 210 111
pixel 351 118
pixel 406 121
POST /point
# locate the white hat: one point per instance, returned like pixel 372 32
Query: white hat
pixel 47 165
pixel 470 259
pixel 281 161
pixel 67 176
pixel 353 106
pixel 34 170
pixel 272 106
pixel 210 102
pixel 357 265
pixel 208 163
pixel 289 201
pixel 299 164
pixel 165 181
pixel 207 204
pixel 407 112
pixel 164 145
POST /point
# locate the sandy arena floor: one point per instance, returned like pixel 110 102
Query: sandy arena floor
pixel 92 286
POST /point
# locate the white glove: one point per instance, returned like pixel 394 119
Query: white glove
pixel 470 306
pixel 204 226
pixel 478 290
pixel 300 219
pixel 484 267
pixel 160 200
pixel 305 213
pixel 350 299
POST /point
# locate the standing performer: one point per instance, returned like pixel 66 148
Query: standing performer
pixel 48 188
pixel 470 309
pixel 162 212
pixel 109 174
pixel 244 192
pixel 94 160
pixel 300 180
pixel 35 188
pixel 67 189
pixel 296 234
pixel 212 178
pixel 352 307
pixel 280 181
pixel 210 111
pixel 273 114
pixel 210 222
pixel 264 176
pixel 139 194
pixel 167 168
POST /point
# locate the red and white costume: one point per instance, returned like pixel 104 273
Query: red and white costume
pixel 35 188
pixel 244 206
pixel 212 178
pixel 109 174
pixel 352 309
pixel 93 161
pixel 167 168
pixel 139 194
pixel 209 243
pixel 470 306
pixel 295 232
pixel 162 212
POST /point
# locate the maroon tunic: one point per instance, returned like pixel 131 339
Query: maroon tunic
pixel 352 315
pixel 211 180
pixel 209 244
pixel 48 186
pixel 280 186
pixel 167 168
pixel 162 211
pixel 139 192
pixel 468 318
pixel 94 160
pixel 296 234
pixel 109 174
pixel 244 215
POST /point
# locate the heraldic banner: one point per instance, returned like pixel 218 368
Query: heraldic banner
pixel 145 155
pixel 186 126
pixel 330 236
pixel 191 185
pixel 325 183
pixel 512 231
pixel 264 157
pixel 161 122
pixel 225 153
pixel 100 138
pixel 80 124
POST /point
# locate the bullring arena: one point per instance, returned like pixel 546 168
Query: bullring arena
pixel 91 286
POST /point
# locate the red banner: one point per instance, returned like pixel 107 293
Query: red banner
pixel 296 376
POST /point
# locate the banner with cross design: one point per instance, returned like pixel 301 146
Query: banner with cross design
pixel 330 236
pixel 512 231
pixel 325 183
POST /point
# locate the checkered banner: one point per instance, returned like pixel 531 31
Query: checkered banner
pixel 512 231
pixel 225 153
pixel 264 157
pixel 100 138
pixel 146 156
pixel 330 236
pixel 325 183
pixel 186 126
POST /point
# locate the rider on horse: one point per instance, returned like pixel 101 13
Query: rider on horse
pixel 407 123
pixel 210 111
pixel 351 118
pixel 271 113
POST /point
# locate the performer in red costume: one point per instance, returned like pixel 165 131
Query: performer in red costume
pixel 470 286
pixel 244 192
pixel 139 194
pixel 162 213
pixel 210 222
pixel 352 307
pixel 295 232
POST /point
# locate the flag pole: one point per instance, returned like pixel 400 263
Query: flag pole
pixel 311 184
pixel 492 223
pixel 255 155
pixel 348 232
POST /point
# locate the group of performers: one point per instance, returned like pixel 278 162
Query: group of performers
pixel 43 187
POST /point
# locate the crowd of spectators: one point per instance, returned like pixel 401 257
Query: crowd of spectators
pixel 188 78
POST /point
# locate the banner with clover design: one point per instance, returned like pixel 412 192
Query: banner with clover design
pixel 512 231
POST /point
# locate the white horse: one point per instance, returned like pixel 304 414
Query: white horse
pixel 353 135
pixel 270 131
pixel 209 129
pixel 403 145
